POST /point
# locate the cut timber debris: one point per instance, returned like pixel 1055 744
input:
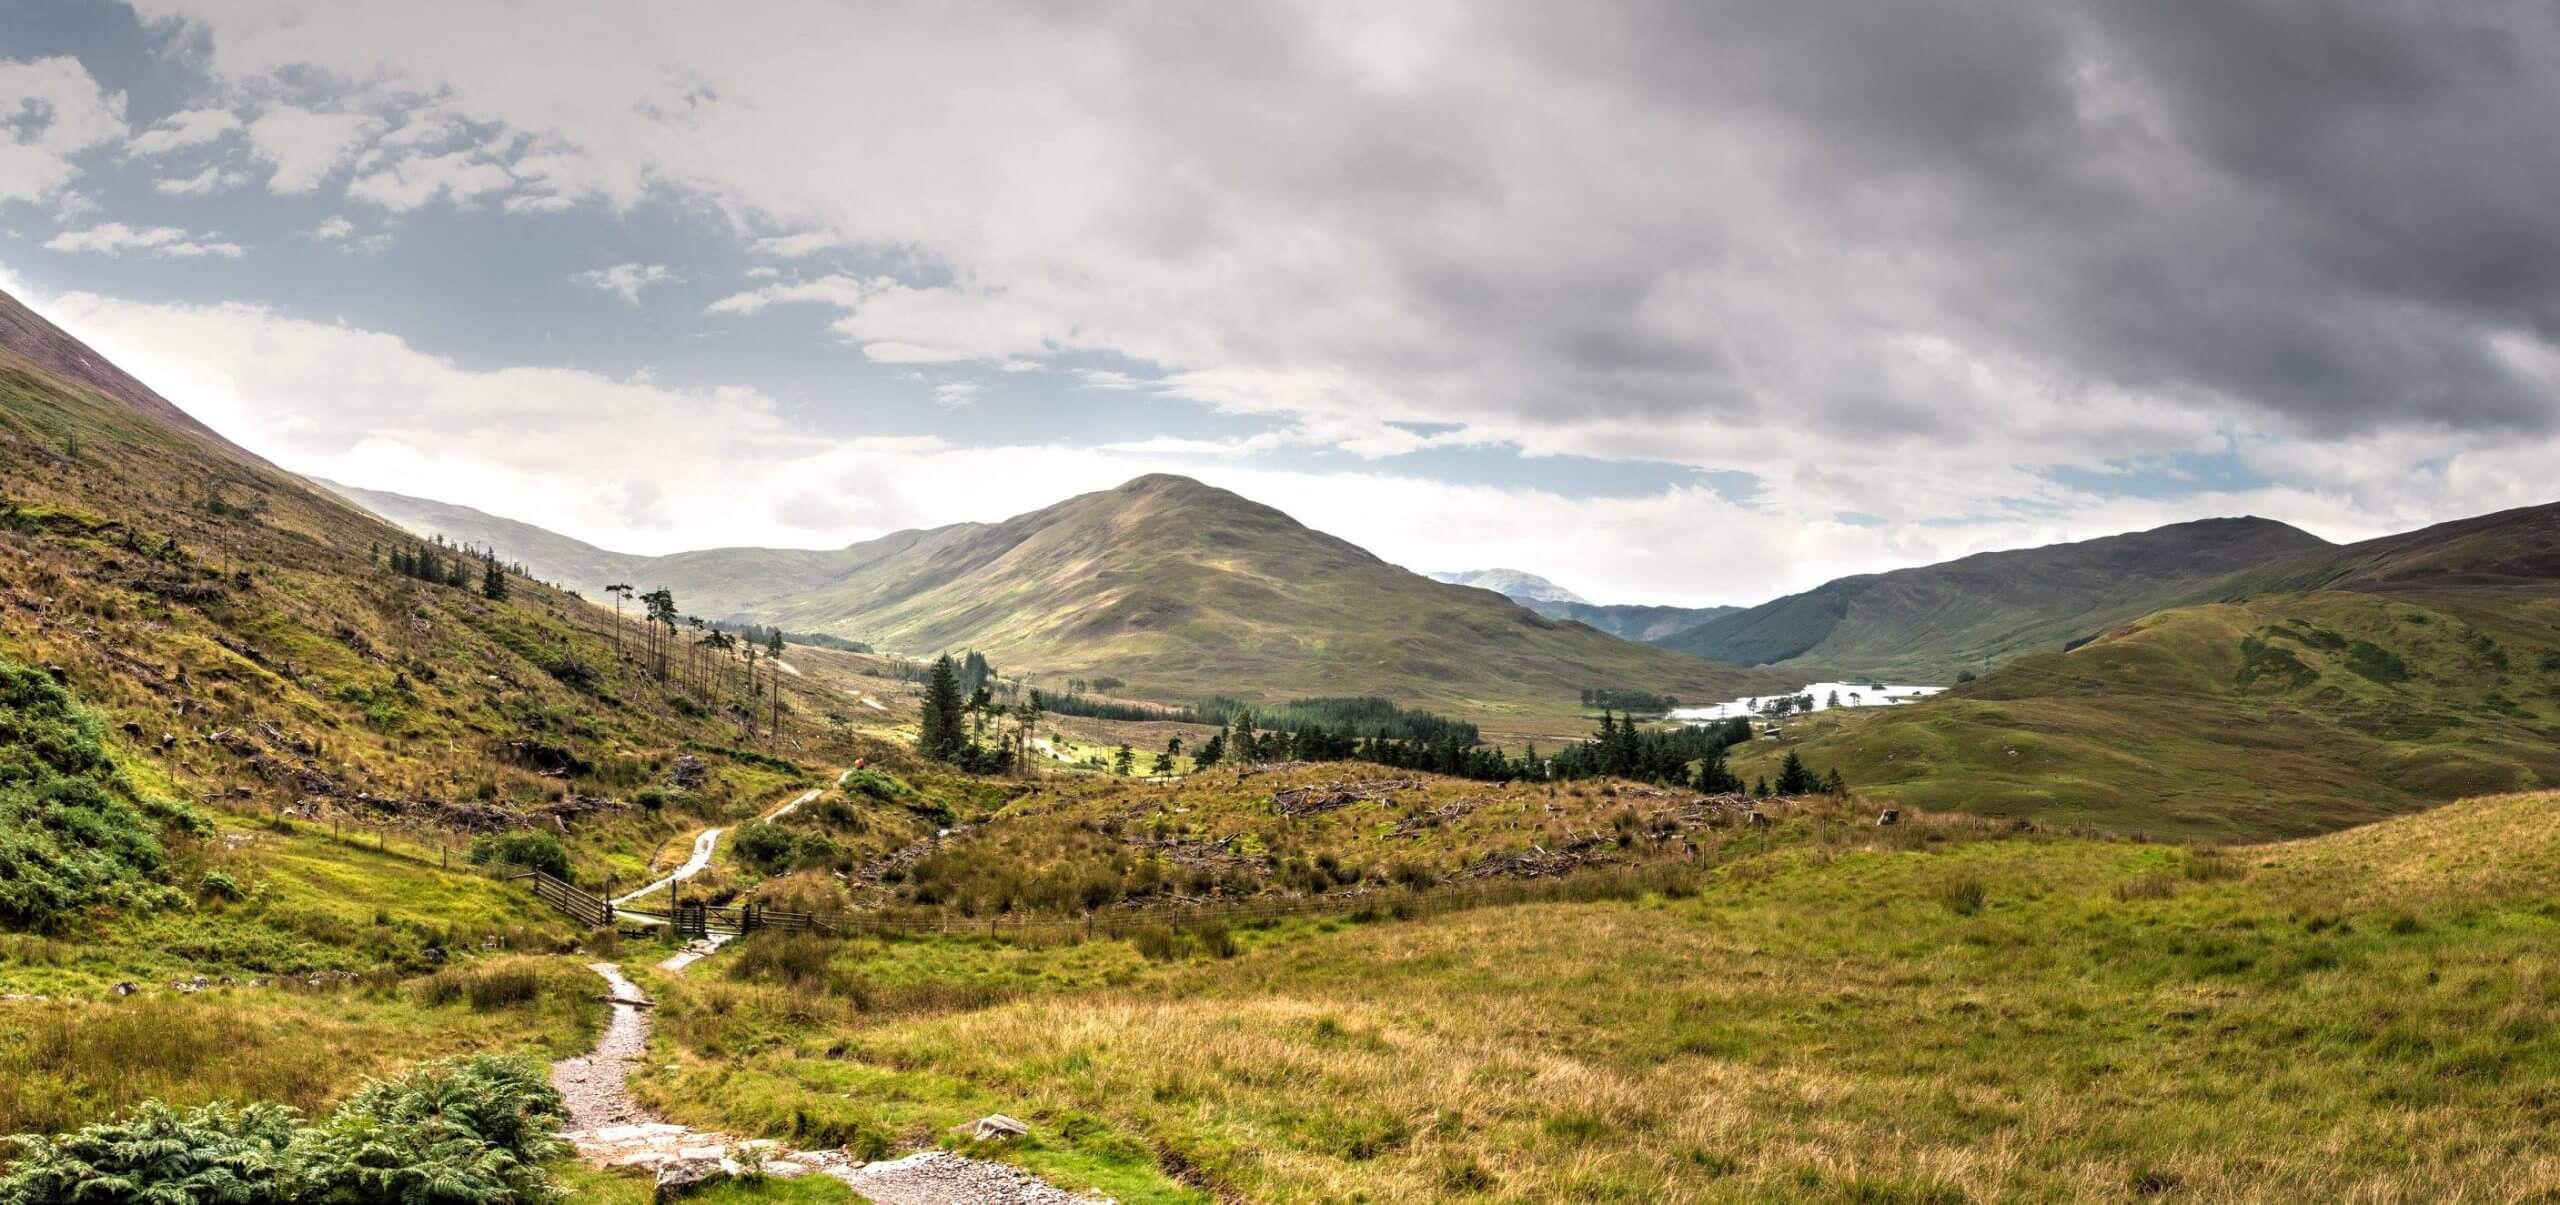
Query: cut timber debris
pixel 1295 802
pixel 994 1127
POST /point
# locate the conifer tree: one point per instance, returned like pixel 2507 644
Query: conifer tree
pixel 1123 760
pixel 942 738
pixel 1793 778
pixel 493 581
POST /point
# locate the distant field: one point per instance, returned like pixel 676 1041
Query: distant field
pixel 2365 1016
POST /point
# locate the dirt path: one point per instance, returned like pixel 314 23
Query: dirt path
pixel 706 845
pixel 610 1129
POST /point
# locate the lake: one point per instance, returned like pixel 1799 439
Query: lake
pixel 1850 694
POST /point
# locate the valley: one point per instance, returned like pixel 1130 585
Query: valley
pixel 1233 862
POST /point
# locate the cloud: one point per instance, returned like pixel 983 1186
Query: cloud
pixel 416 180
pixel 50 111
pixel 116 238
pixel 956 394
pixel 177 131
pixel 211 180
pixel 333 229
pixel 306 146
pixel 628 279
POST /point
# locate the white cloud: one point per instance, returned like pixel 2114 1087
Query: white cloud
pixel 334 228
pixel 211 180
pixel 116 238
pixel 306 146
pixel 192 127
pixel 841 292
pixel 50 111
pixel 628 279
pixel 956 394
pixel 416 180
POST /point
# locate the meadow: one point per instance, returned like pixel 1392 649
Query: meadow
pixel 2363 1016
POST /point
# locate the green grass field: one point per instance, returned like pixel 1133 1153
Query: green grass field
pixel 2363 1016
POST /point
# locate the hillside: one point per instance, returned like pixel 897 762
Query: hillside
pixel 1181 589
pixel 2279 714
pixel 1927 624
pixel 1518 585
pixel 250 637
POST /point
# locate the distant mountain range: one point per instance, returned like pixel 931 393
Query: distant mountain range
pixel 1515 584
pixel 1626 622
pixel 1927 624
pixel 1179 588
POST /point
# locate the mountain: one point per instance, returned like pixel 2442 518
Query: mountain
pixel 1517 585
pixel 1180 589
pixel 249 633
pixel 1929 623
pixel 1638 623
pixel 2371 679
pixel 1628 621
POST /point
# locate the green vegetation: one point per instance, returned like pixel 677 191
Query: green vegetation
pixel 73 831
pixel 2279 715
pixel 2363 1016
pixel 468 1131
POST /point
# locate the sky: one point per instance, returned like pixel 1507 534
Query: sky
pixel 1687 302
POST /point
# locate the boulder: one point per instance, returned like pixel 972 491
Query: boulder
pixel 1890 816
pixel 681 1178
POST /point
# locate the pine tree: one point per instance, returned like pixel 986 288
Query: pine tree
pixel 1760 788
pixel 1211 751
pixel 1793 778
pixel 493 581
pixel 1123 760
pixel 1834 785
pixel 1242 746
pixel 942 737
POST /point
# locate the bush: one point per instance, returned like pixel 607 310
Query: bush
pixel 462 1130
pixel 767 848
pixel 73 833
pixel 531 850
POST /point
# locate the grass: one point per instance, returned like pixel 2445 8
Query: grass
pixel 2364 1016
pixel 2279 716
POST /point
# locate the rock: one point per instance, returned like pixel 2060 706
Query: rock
pixel 994 1127
pixel 1759 819
pixel 1890 816
pixel 681 1178
pixel 125 989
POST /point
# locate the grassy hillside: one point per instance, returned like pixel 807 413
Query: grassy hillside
pixel 248 633
pixel 2367 1016
pixel 1929 623
pixel 1183 591
pixel 2281 714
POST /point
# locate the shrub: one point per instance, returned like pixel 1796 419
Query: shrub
pixel 73 833
pixel 532 850
pixel 461 1130
pixel 766 848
